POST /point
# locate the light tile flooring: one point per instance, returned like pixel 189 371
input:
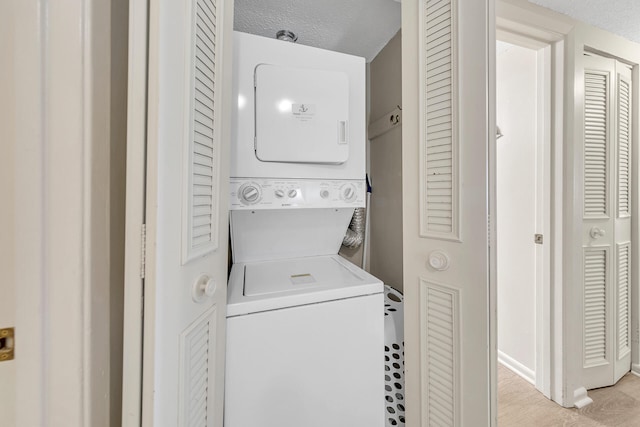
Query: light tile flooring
pixel 521 405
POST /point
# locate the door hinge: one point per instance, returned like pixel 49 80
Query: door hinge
pixel 143 250
pixel 538 239
pixel 7 344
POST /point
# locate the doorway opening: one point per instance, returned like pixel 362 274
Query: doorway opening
pixel 524 241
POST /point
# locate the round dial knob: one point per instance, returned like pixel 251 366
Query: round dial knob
pixel 292 193
pixel 349 193
pixel 249 193
pixel 279 194
pixel 324 194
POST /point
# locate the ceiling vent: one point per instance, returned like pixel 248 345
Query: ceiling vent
pixel 286 36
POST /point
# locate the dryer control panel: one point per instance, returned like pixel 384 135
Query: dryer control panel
pixel 257 193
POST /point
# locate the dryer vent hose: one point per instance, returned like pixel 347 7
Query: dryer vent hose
pixel 355 232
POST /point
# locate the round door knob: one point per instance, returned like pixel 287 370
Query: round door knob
pixel 203 288
pixel 597 232
pixel 439 261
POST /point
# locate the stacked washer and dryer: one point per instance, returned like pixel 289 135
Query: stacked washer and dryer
pixel 305 327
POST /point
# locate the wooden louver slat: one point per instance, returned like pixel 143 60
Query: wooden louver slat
pixel 202 207
pixel 439 146
pixel 624 148
pixel 624 300
pixel 441 353
pixel 595 306
pixel 595 145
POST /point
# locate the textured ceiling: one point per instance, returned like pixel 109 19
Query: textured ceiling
pixel 357 27
pixel 620 17
pixel 363 27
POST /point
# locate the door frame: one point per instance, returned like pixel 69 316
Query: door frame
pixel 546 184
pixel 526 25
pixel 135 214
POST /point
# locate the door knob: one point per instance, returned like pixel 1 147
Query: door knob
pixel 596 232
pixel 203 288
pixel 439 261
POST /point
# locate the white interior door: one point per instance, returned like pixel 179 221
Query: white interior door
pixel 606 221
pixel 186 212
pixel 449 53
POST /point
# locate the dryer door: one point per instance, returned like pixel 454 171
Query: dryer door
pixel 301 115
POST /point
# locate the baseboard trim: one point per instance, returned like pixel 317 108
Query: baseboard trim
pixel 580 398
pixel 509 362
pixel 635 369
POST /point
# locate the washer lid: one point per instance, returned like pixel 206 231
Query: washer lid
pixel 303 274
pixel 271 285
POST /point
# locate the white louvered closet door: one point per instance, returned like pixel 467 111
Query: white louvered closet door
pixel 606 221
pixel 445 191
pixel 186 212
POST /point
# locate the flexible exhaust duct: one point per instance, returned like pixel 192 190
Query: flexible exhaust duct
pixel 355 233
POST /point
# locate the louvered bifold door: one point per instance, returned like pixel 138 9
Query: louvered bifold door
pixel 606 245
pixel 187 212
pixel 446 152
pixel 622 297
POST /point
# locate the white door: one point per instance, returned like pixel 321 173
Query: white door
pixel 606 221
pixel 186 212
pixel 449 51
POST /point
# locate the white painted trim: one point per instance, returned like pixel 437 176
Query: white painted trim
pixel 31 301
pixel 63 210
pixel 135 211
pixel 151 195
pixel 517 367
pixel 635 227
pixel 544 332
pixel 556 237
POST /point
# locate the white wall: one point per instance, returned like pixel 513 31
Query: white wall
pixel 516 209
pixel 386 168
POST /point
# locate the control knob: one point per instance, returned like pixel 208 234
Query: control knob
pixel 349 193
pixel 279 194
pixel 292 193
pixel 249 193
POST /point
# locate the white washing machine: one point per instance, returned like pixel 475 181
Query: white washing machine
pixel 305 327
pixel 304 346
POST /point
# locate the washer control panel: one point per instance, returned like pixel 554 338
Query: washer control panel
pixel 257 193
